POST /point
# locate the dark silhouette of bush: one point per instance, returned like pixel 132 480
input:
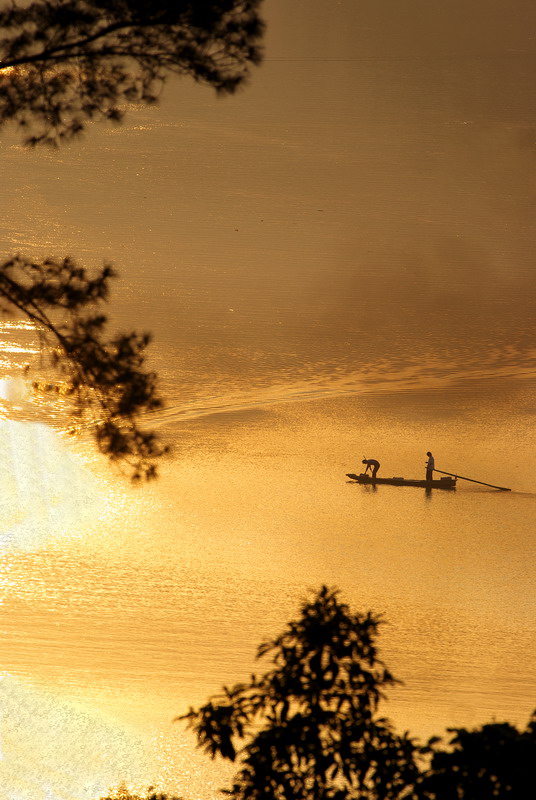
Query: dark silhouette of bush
pixel 308 728
pixel 494 762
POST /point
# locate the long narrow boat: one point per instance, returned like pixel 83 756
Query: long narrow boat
pixel 442 483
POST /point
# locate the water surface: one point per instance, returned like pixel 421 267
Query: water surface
pixel 336 263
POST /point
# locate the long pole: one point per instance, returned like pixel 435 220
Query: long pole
pixel 502 488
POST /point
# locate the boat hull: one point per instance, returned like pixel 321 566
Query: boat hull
pixel 442 483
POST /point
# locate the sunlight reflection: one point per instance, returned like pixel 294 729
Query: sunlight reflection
pixel 47 492
pixel 13 390
pixel 54 749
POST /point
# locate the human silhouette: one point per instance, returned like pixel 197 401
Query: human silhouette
pixel 372 464
pixel 430 466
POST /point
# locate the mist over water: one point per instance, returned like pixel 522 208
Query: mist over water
pixel 337 262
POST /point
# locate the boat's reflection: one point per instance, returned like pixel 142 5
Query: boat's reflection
pixel 373 488
pixel 370 487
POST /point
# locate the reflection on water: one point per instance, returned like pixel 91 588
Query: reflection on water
pixel 318 381
pixel 51 748
pixel 156 605
pixel 337 262
pixel 46 491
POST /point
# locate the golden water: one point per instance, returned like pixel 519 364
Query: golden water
pixel 336 263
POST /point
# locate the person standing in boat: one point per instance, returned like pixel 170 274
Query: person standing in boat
pixel 373 465
pixel 430 466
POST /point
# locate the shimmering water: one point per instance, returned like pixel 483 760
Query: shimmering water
pixel 123 615
pixel 336 263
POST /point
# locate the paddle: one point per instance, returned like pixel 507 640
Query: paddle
pixel 502 488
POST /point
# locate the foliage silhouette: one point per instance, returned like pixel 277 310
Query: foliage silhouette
pixel 310 723
pixel 122 793
pixel 494 762
pixel 65 62
pixel 308 728
pixel 103 377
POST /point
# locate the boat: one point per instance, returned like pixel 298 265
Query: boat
pixel 441 483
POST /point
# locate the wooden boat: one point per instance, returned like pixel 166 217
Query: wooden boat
pixel 442 483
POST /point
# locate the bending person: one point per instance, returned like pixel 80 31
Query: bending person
pixel 372 464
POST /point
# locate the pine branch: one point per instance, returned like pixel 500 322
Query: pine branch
pixel 103 373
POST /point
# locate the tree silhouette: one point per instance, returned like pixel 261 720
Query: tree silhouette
pixel 308 728
pixel 65 62
pixel 310 723
pixel 104 377
pixel 494 762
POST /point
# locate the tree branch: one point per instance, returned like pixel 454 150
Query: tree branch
pixel 65 62
pixel 104 373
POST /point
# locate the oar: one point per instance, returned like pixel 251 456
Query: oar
pixel 502 488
